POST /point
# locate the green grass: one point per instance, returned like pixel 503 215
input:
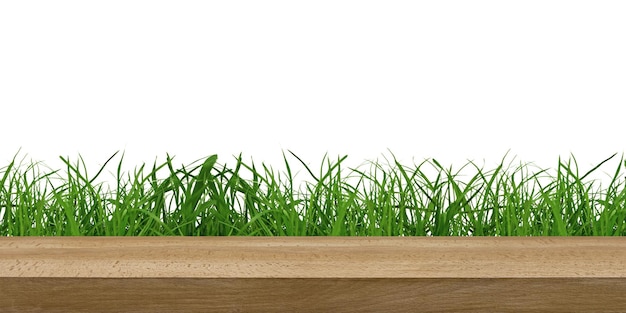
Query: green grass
pixel 209 199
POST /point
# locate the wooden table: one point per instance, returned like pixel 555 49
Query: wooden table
pixel 312 274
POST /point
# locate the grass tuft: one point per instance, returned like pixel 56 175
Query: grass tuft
pixel 208 199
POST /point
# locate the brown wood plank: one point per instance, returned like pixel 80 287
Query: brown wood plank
pixel 312 274
pixel 312 295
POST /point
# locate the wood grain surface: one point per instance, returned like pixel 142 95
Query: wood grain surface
pixel 312 274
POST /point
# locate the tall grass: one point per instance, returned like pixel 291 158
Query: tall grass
pixel 209 199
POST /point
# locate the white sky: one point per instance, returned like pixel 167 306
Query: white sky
pixel 453 80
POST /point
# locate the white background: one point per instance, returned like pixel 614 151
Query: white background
pixel 450 80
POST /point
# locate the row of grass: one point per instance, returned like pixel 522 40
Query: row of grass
pixel 208 199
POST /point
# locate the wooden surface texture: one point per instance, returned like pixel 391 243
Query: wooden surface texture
pixel 312 274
